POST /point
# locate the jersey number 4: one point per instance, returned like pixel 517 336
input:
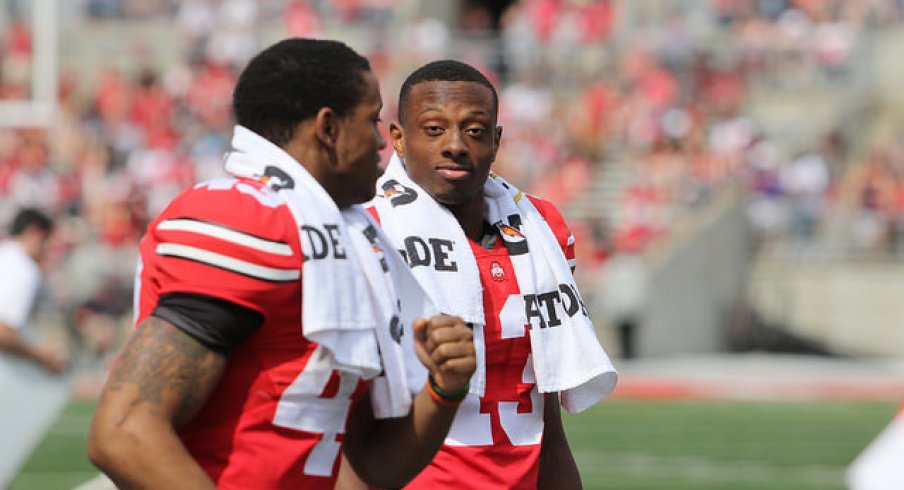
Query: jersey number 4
pixel 301 407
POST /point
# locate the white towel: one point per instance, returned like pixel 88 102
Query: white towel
pixel 567 356
pixel 398 298
pixel 349 284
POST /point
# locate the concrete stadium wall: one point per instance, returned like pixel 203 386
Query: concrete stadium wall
pixel 695 290
pixel 683 297
pixel 852 308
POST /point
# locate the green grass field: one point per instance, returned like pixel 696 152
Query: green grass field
pixel 628 445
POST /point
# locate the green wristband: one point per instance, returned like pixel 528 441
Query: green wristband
pixel 453 396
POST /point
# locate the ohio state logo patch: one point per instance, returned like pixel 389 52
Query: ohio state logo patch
pixel 497 272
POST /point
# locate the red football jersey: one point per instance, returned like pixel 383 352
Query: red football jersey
pixel 494 442
pixel 278 415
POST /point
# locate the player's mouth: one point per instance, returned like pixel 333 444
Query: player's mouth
pixel 454 172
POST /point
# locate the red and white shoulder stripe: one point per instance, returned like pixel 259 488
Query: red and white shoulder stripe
pixel 212 244
pixel 243 228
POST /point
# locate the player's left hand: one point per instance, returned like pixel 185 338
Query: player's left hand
pixel 445 345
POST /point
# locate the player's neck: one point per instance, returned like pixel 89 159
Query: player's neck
pixel 470 218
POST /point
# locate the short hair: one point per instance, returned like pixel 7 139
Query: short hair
pixel 28 217
pixel 292 80
pixel 444 71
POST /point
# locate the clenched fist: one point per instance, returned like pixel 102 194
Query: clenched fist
pixel 445 345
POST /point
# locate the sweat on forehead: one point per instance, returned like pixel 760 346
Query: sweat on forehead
pixel 444 71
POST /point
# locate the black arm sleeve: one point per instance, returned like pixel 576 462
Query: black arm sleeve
pixel 216 323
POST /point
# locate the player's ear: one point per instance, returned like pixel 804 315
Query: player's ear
pixel 397 135
pixel 326 127
pixel 497 139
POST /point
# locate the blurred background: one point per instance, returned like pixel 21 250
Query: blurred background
pixel 733 171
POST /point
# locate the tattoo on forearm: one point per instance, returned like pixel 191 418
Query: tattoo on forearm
pixel 164 363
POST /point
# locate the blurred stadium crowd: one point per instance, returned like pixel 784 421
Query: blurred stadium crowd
pixel 587 86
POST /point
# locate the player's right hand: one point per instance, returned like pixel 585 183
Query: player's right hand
pixel 445 345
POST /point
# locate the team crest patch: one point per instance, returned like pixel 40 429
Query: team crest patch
pixel 276 179
pixel 397 193
pixel 512 238
pixel 510 234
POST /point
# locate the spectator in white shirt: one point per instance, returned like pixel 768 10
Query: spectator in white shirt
pixel 20 282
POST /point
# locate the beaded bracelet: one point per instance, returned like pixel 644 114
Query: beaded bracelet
pixel 444 398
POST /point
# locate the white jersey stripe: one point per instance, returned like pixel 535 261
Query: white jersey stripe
pixel 570 239
pixel 226 234
pixel 572 263
pixel 228 263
